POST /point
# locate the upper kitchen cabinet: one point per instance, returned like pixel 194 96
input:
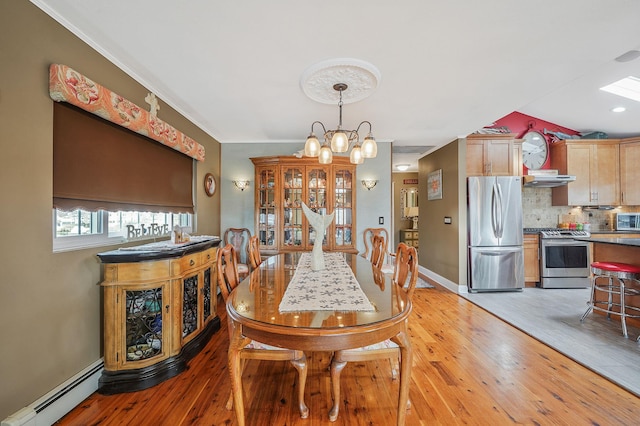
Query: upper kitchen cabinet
pixel 596 166
pixel 493 155
pixel 630 172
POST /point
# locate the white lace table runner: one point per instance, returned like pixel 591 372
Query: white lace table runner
pixel 334 288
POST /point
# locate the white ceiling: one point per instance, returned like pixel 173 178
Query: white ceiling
pixel 447 68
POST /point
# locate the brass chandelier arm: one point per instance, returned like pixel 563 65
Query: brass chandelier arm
pixel 324 130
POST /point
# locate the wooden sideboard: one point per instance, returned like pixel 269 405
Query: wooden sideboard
pixel 159 311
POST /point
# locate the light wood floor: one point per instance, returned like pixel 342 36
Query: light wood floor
pixel 469 368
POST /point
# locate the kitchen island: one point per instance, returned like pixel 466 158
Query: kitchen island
pixel 624 250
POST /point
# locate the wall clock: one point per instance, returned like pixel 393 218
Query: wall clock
pixel 534 150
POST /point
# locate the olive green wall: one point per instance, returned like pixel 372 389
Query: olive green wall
pixel 50 303
pixel 447 257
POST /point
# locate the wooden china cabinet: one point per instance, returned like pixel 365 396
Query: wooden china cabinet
pixel 159 311
pixel 283 183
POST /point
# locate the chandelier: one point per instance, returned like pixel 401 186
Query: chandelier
pixel 339 140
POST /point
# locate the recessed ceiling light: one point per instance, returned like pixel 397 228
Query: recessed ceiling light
pixel 628 87
pixel 618 109
pixel 402 167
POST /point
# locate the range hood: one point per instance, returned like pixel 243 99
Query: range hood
pixel 547 181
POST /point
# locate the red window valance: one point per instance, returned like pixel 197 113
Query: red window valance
pixel 68 85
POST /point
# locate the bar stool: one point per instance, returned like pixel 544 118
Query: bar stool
pixel 617 275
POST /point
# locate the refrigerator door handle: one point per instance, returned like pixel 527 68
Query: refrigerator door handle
pixel 496 211
pixel 500 211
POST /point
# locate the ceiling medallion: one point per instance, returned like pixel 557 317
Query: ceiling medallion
pixel 362 78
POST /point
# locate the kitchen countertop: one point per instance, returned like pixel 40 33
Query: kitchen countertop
pixel 632 242
pixel 531 231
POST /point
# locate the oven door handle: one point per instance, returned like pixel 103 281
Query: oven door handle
pixel 565 242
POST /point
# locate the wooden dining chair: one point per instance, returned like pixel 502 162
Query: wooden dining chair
pixel 255 259
pixel 405 276
pixel 382 254
pixel 239 238
pixel 227 281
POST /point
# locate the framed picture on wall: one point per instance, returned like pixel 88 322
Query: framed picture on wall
pixel 209 184
pixel 434 185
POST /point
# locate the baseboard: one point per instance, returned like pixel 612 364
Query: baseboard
pixel 439 279
pixel 55 404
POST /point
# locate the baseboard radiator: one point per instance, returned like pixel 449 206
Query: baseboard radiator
pixel 55 404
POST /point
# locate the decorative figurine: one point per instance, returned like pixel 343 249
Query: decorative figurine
pixel 153 104
pixel 319 223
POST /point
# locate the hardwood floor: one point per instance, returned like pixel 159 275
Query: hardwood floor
pixel 553 317
pixel 469 368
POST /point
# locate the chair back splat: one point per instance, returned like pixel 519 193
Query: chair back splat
pixel 239 238
pixel 227 270
pixel 255 258
pixel 369 234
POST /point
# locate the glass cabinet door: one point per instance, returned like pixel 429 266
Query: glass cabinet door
pixel 317 198
pixel 292 207
pixel 266 191
pixel 343 222
pixel 207 308
pixel 143 327
pixel 189 305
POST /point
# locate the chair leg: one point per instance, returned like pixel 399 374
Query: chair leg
pixel 623 310
pixel 336 369
pixel 229 405
pixel 591 299
pixel 610 298
pixel 301 365
pixel 395 366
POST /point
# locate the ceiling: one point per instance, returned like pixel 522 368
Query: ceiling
pixel 446 68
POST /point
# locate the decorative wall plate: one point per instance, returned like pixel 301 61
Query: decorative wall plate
pixel 209 184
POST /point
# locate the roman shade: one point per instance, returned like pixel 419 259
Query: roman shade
pixel 100 165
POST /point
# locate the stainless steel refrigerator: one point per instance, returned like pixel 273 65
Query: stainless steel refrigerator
pixel 494 215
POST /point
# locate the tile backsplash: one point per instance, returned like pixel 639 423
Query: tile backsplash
pixel 539 213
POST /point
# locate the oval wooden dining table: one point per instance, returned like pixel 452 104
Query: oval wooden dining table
pixel 253 309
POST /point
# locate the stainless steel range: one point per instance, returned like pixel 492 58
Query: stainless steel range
pixel 564 261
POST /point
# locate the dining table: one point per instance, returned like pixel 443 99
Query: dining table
pixel 333 321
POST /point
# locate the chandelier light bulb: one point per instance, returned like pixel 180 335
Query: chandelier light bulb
pixel 369 147
pixel 326 156
pixel 356 155
pixel 339 141
pixel 312 146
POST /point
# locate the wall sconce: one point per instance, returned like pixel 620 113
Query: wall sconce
pixel 241 184
pixel 369 183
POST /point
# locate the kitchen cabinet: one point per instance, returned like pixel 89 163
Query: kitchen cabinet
pixel 159 311
pixel 409 237
pixel 283 183
pixel 531 245
pixel 630 172
pixel 596 166
pixel 492 155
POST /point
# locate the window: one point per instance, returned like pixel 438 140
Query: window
pixel 80 229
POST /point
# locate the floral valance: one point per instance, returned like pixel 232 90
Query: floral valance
pixel 68 85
